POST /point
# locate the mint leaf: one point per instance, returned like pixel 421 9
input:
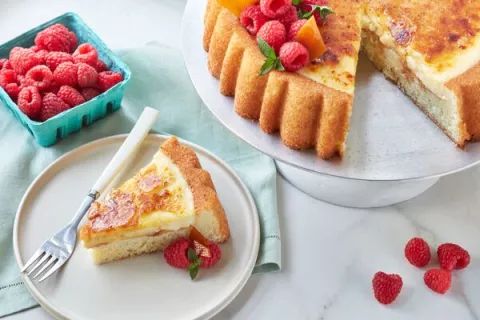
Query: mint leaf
pixel 267 66
pixel 193 269
pixel 296 2
pixel 279 65
pixel 265 49
pixel 323 10
pixel 191 255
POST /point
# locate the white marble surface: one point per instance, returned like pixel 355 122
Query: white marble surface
pixel 330 253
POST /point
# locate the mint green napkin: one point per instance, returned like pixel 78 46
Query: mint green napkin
pixel 159 80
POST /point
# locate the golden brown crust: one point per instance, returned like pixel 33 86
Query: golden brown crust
pixel 306 113
pixel 439 28
pixel 204 194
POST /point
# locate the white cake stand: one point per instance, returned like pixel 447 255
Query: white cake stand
pixel 394 152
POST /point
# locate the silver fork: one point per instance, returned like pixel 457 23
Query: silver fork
pixel 54 252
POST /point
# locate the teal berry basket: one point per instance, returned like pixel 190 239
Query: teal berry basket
pixel 58 127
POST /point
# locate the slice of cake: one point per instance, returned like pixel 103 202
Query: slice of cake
pixel 431 49
pixel 158 205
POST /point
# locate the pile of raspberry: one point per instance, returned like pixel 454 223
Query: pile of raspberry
pixel 451 256
pixel 277 22
pixel 54 74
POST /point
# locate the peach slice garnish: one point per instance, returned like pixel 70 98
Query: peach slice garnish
pixel 237 6
pixel 309 35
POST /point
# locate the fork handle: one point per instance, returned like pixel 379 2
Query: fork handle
pixel 128 148
pixel 83 209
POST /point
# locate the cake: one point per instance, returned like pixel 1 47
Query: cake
pixel 155 207
pixel 431 49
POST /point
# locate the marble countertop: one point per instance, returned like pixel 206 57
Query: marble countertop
pixel 330 253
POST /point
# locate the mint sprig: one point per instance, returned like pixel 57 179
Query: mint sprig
pixel 272 62
pixel 296 2
pixel 323 10
pixel 195 262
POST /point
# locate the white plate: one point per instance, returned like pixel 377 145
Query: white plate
pixel 142 287
pixel 389 139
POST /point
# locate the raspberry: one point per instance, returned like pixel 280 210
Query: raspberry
pixel 417 252
pixel 7 76
pixel 275 8
pixel 289 17
pixel 86 75
pixel 30 101
pixel 176 254
pixel 40 77
pixel 294 27
pixel 3 63
pixel 56 38
pixel 70 96
pixel 89 93
pixel 274 33
pixel 386 287
pixel 452 256
pixel 293 56
pixel 13 90
pixel 215 255
pixel 438 280
pixel 54 58
pixel 51 106
pixel 307 6
pixel 23 59
pixel 41 55
pixel 252 19
pixel 86 53
pixel 108 79
pixel 7 65
pixel 100 66
pixel 66 74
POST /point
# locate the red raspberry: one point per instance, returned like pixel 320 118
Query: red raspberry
pixel 40 77
pixel 56 38
pixel 176 254
pixel 89 93
pixel 275 8
pixel 86 53
pixel 108 79
pixel 294 27
pixel 70 96
pixel 7 76
pixel 307 6
pixel 13 89
pixel 417 252
pixel 30 102
pixel 101 66
pixel 66 74
pixel 41 55
pixel 386 287
pixel 215 255
pixel 273 33
pixel 7 65
pixel 54 58
pixel 87 75
pixel 3 62
pixel 289 17
pixel 438 280
pixel 51 106
pixel 294 56
pixel 253 19
pixel 23 59
pixel 452 256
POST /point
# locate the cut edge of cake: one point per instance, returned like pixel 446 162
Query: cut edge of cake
pixel 209 215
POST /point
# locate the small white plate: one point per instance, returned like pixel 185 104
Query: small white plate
pixel 143 287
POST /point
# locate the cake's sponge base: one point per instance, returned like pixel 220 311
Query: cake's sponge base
pixel 126 248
